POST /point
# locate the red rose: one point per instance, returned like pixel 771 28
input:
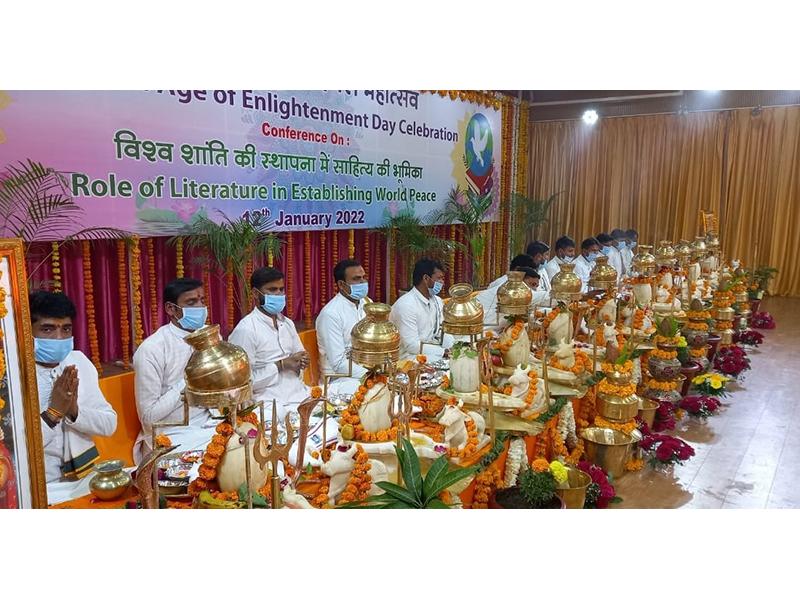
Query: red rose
pixel 663 453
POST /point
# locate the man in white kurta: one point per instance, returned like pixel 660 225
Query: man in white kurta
pixel 72 407
pixel 565 253
pixel 336 321
pixel 277 356
pixel 488 299
pixel 159 364
pixel 418 314
pixel 590 250
pixel 609 248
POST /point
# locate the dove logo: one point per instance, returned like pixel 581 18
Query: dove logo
pixel 478 150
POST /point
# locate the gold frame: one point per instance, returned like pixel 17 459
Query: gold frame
pixel 13 250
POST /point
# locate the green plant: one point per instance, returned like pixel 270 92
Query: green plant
pixel 463 347
pixel 762 276
pixel 538 489
pixel 230 243
pixel 411 237
pixel 470 209
pixel 416 491
pixel 35 205
pixel 668 327
pixel 529 216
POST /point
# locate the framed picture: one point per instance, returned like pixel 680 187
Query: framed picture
pixel 22 477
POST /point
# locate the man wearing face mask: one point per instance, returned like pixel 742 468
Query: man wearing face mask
pixel 159 364
pixel 540 252
pixel 565 253
pixel 609 248
pixel 418 314
pixel 73 407
pixel 620 241
pixel 336 320
pixel 632 238
pixel 590 250
pixel 276 354
pixel 488 297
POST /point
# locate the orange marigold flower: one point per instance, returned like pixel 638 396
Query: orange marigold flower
pixel 316 392
pixel 215 450
pixel 207 473
pixel 540 465
pixel 422 359
pixel 210 461
pixel 162 441
pixel 225 429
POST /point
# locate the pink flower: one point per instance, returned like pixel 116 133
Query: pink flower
pixel 185 209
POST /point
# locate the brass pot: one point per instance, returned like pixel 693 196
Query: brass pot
pixel 375 339
pixel 699 248
pixel 566 285
pixel 695 337
pixel 514 296
pixel 644 262
pixel 463 313
pixel 111 481
pixel 218 373
pixel 724 314
pixel 619 378
pixel 683 252
pixel 647 411
pixel 607 448
pixel 617 408
pixel 741 297
pixel 665 254
pixel 603 276
pixel 575 495
pixel 663 369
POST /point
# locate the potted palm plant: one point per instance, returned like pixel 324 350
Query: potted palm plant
pixel 529 215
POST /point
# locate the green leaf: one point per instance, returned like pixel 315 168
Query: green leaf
pixel 398 492
pixel 412 475
pixel 397 504
pixel 438 468
pixel 451 478
pixel 436 503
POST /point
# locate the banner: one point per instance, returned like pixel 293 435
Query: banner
pixel 152 162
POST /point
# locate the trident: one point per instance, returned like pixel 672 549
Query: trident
pixel 276 452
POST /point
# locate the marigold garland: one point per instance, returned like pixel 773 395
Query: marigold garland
pixel 229 300
pixel 307 281
pixel 634 464
pixel 514 331
pixel 697 326
pixel 124 319
pixel 151 284
pixel 350 414
pixel 664 354
pixel 207 289
pixel 3 313
pixel 321 500
pixel 360 481
pixel 472 441
pixel 698 352
pixel 451 256
pixel 323 242
pixel 88 286
pixel 378 268
pixel 626 427
pixel 365 255
pixel 335 249
pixel 290 275
pixel 583 363
pixel 587 411
pixel 179 269
pixel 351 243
pixel 55 260
pixel 485 483
pixel 136 285
pixel 664 386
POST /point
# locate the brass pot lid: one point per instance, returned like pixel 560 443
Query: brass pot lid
pixel 603 275
pixel 683 251
pixel 514 296
pixel 462 308
pixel 699 247
pixel 375 337
pixel 566 285
pixel 215 365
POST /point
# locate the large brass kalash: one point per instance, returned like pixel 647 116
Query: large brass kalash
pixel 514 296
pixel 665 254
pixel 643 262
pixel 463 316
pixel 603 275
pixel 218 376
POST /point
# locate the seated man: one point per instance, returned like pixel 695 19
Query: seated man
pixel 540 252
pixel 159 364
pixel 276 354
pixel 488 298
pixel 609 248
pixel 418 314
pixel 335 322
pixel 590 250
pixel 73 407
pixel 565 253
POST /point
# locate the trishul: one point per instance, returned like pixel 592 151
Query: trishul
pixel 276 452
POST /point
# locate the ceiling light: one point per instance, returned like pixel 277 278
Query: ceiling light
pixel 590 117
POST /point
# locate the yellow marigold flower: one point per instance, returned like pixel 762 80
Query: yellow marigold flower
pixel 559 471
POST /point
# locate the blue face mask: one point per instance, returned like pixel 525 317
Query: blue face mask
pixel 606 250
pixel 359 290
pixel 568 259
pixel 593 256
pixel 274 303
pixel 631 245
pixel 437 287
pixel 51 351
pixel 622 245
pixel 194 317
